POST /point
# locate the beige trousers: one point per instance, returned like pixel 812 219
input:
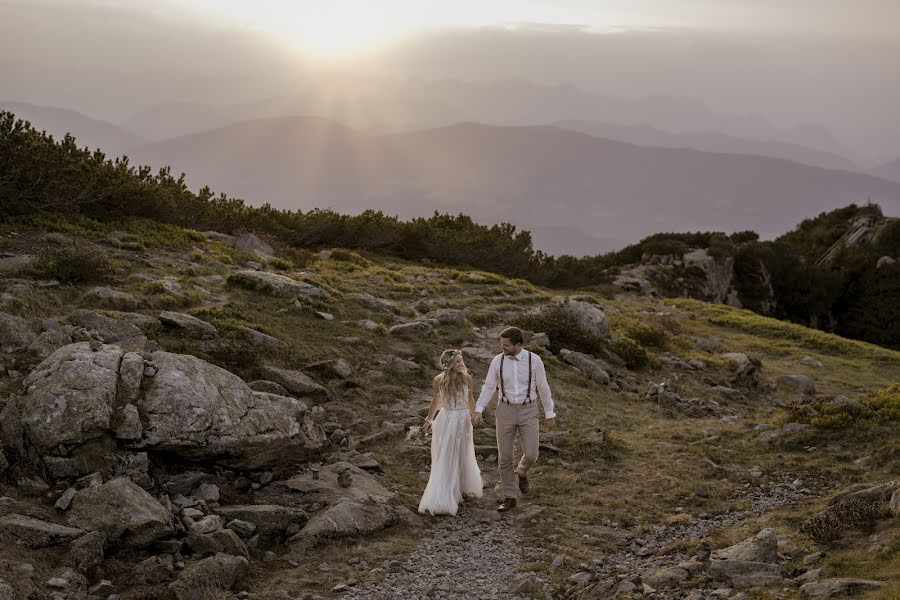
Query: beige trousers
pixel 511 419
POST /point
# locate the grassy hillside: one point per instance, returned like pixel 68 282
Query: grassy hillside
pixel 668 479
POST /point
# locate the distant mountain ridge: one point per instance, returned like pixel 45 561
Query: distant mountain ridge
pixel 113 139
pixel 533 176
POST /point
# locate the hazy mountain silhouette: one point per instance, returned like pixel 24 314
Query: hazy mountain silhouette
pixel 383 105
pixel 645 135
pixel 532 176
pixel 889 170
pixel 93 133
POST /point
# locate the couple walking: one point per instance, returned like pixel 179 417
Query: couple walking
pixel 517 376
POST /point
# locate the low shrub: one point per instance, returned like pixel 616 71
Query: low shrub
pixel 80 263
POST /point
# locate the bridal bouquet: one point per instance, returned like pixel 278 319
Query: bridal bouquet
pixel 414 435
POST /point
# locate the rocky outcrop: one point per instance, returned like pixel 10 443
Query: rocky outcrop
pixel 252 244
pixel 219 572
pixel 189 324
pixel 167 402
pixel 829 588
pixel 295 382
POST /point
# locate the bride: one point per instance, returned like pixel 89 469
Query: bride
pixel 454 471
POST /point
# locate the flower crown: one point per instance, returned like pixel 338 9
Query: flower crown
pixel 449 358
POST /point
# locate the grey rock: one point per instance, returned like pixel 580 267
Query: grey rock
pixel 587 364
pixel 107 297
pixel 190 324
pixel 278 285
pixel 449 316
pixel 69 396
pixel 65 499
pixel 128 423
pixel 295 382
pixel 763 547
pixel 121 510
pixel 368 325
pixel 269 520
pixel 348 519
pixel 811 362
pixel 588 317
pixel 13 265
pixel 413 329
pixel 373 302
pixel 201 411
pixel 47 343
pixel 828 588
pixel 15 333
pixel 154 570
pixel 86 552
pixel 744 372
pixel 849 405
pixel 252 244
pixel 894 504
pixel 665 577
pixel 540 339
pixel 269 387
pixel 798 383
pixel 218 572
pixel 745 573
pixel 262 340
pixel 245 529
pixel 123 332
pixel 34 533
pixel 222 540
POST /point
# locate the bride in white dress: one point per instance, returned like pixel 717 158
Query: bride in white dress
pixel 454 470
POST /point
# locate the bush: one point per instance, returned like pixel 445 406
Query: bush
pixel 562 329
pixel 281 264
pixel 647 334
pixel 80 263
pixel 632 353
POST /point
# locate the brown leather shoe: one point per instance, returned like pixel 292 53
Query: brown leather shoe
pixel 507 504
pixel 523 484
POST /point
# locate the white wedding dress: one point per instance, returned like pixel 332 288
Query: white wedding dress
pixel 454 470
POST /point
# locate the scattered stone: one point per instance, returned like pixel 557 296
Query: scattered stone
pixel 262 340
pixel 798 383
pixel 107 297
pixel 268 519
pixel 66 499
pixel 348 519
pixel 594 369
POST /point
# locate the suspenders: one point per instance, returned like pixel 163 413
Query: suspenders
pixel 503 391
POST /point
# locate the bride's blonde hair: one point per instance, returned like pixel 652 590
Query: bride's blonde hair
pixel 450 381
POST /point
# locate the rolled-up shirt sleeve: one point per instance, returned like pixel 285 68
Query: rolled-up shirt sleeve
pixel 544 388
pixel 490 385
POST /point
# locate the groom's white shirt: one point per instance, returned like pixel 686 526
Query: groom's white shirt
pixel 515 382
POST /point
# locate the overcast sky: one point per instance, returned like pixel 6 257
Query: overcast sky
pixel 823 63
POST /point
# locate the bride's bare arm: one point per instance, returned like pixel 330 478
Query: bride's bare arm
pixel 471 399
pixel 434 406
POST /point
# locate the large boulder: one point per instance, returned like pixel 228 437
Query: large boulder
pixel 278 285
pixel 198 580
pixel 202 411
pixel 13 265
pixel 49 342
pixel 373 302
pixel 122 511
pixel 15 333
pixel 69 397
pixel 35 533
pixel 448 316
pixel 348 519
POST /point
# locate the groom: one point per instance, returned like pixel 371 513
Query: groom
pixel 519 375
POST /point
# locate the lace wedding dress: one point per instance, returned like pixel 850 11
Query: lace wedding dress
pixel 454 470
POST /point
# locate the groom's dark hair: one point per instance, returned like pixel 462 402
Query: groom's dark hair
pixel 513 334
